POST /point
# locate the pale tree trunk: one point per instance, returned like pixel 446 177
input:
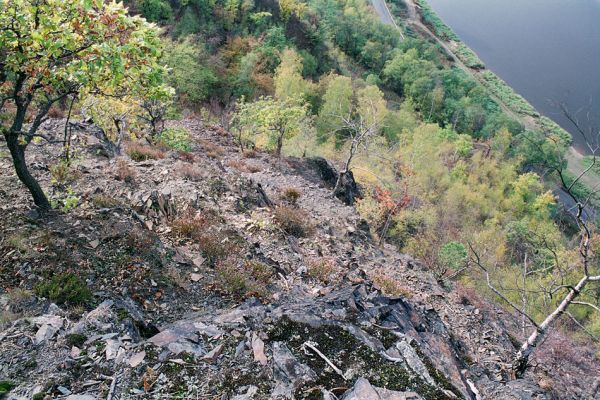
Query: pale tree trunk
pixel 521 361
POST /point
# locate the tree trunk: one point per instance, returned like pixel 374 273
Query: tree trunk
pixel 18 155
pixel 279 145
pixel 521 361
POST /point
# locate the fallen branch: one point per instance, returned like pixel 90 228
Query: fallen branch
pixel 311 345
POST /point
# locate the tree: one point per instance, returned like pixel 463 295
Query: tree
pixel 357 119
pixel 192 78
pixel 576 275
pixel 289 84
pixel 278 120
pixel 52 49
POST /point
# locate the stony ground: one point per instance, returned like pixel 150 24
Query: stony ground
pixel 220 274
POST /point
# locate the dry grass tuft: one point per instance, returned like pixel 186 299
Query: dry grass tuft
pixel 190 173
pixel 389 286
pixel 142 152
pixel 293 221
pixel 243 278
pixel 212 150
pixel 323 269
pixel 123 172
pixel 291 195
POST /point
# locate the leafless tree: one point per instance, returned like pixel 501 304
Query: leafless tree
pixel 360 126
pixel 589 273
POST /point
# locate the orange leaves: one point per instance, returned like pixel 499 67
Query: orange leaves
pixel 388 202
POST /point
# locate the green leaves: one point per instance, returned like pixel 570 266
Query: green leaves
pixel 270 118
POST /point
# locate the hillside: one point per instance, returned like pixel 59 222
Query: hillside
pixel 264 199
pixel 162 319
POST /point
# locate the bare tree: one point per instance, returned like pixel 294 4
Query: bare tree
pixel 589 274
pixel 361 123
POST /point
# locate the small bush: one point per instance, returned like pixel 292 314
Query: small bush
pixel 249 153
pixel 252 168
pixel 123 172
pixel 186 156
pixel 243 278
pixel 190 173
pixel 65 288
pixel 212 150
pixel 104 201
pixel 389 286
pixel 291 195
pixel 191 226
pixel 293 221
pixel 176 139
pixel 322 269
pixel 5 387
pixel 237 164
pixel 142 152
pixel 61 174
pixel 214 242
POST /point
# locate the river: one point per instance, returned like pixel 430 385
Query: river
pixel 547 50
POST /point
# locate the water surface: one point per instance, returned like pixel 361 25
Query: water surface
pixel 547 50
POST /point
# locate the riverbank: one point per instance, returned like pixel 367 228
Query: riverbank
pixel 421 17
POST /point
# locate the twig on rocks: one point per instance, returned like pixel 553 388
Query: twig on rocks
pixel 311 345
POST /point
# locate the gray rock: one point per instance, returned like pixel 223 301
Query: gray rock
pixel 363 390
pixel 289 373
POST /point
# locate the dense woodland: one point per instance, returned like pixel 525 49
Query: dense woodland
pixel 447 175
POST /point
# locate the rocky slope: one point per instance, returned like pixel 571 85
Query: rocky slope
pixel 217 274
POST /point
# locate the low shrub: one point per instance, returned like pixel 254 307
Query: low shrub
pixel 323 269
pixel 293 221
pixel 123 172
pixel 142 152
pixel 65 288
pixel 237 164
pixel 243 278
pixel 249 153
pixel 190 173
pixel 212 150
pixel 61 174
pixel 389 286
pixel 176 139
pixel 104 201
pixel 291 195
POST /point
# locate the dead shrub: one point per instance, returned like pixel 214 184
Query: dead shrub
pixel 291 195
pixel 190 173
pixel 123 172
pixel 253 168
pixel 205 230
pixel 293 221
pixel 62 174
pixel 389 286
pixel 56 112
pixel 323 269
pixel 249 153
pixel 191 226
pixel 186 156
pixel 237 164
pixel 212 150
pixel 243 278
pixel 142 152
pixel 104 201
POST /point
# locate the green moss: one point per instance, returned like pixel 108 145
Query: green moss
pixel 65 288
pixel 347 352
pixel 5 387
pixel 76 339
